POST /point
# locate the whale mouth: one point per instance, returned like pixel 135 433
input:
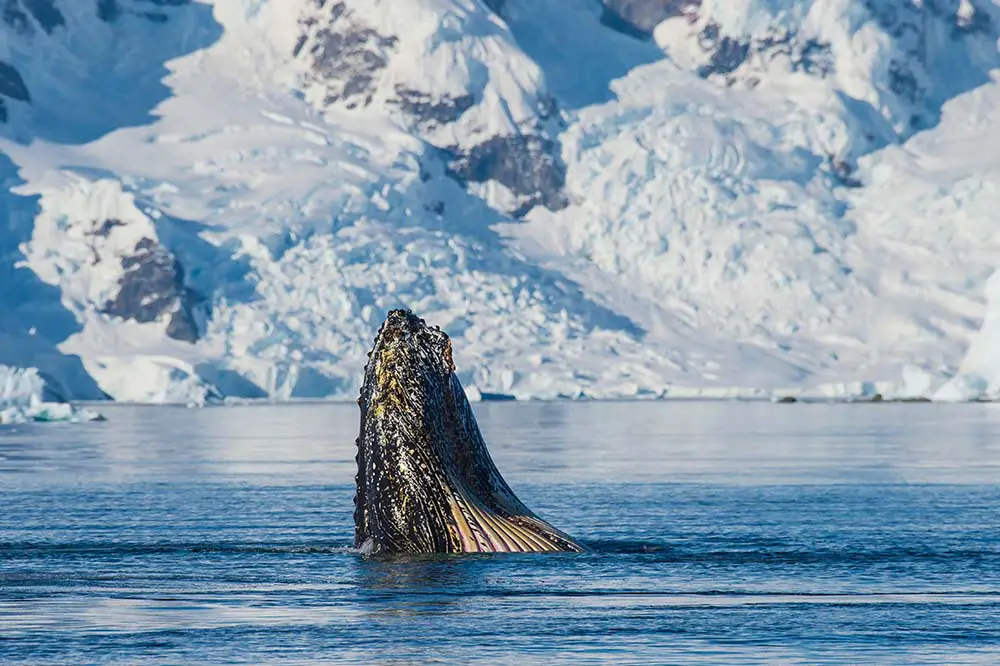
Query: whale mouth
pixel 426 483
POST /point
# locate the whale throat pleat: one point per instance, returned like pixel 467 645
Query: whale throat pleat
pixel 482 530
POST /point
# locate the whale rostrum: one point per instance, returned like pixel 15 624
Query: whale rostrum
pixel 425 482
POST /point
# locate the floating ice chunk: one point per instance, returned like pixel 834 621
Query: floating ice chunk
pixel 22 400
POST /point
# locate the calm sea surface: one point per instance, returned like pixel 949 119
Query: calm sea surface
pixel 723 533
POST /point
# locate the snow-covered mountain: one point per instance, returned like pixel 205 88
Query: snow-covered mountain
pixel 623 198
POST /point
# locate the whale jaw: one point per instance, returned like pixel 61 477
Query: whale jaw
pixel 426 482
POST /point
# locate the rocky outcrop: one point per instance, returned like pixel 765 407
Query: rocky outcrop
pixel 931 52
pixel 529 166
pixel 726 54
pixel 153 289
pixel 426 109
pixel 918 30
pixel 345 55
pixel 354 64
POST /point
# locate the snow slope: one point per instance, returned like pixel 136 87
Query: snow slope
pixel 212 200
pixel 721 207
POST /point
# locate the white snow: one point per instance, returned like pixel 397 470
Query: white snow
pixel 452 47
pixel 709 249
pixel 21 400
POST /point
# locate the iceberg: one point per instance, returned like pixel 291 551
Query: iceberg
pixel 23 399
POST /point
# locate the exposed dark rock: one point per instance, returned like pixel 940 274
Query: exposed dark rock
pixel 638 18
pixel 786 400
pixel 346 56
pixel 910 24
pixel 106 227
pixel 727 54
pixel 108 10
pixel 427 109
pixel 810 55
pixel 915 82
pixel 3 111
pixel 11 83
pixel 844 173
pixel 813 57
pixel 529 166
pixel 153 288
pixel 46 13
pixel 183 324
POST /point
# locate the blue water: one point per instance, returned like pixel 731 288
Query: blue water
pixel 724 533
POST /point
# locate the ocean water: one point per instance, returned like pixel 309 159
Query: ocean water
pixel 726 533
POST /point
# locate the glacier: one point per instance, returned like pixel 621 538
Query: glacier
pixel 203 201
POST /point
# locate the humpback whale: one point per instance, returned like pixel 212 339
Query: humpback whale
pixel 425 482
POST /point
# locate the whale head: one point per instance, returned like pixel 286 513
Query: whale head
pixel 425 482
